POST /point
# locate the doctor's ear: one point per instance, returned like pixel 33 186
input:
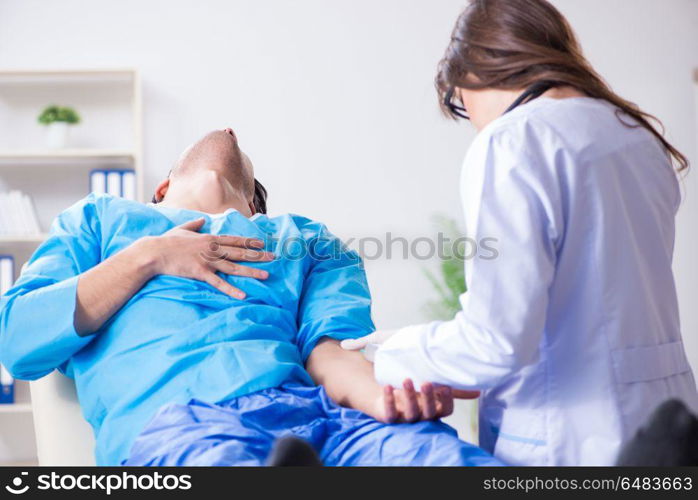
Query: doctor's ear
pixel 463 95
pixel 161 191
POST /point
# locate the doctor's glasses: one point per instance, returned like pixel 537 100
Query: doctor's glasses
pixel 454 108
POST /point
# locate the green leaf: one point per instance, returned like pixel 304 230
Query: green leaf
pixel 449 281
pixel 53 113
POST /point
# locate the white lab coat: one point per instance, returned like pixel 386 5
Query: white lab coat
pixel 573 330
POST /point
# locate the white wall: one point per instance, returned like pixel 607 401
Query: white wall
pixel 334 100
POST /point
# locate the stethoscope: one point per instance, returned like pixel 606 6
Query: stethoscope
pixel 533 92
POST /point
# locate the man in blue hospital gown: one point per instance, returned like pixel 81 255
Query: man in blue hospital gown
pixel 183 356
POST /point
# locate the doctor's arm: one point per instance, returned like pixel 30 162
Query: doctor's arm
pixel 500 327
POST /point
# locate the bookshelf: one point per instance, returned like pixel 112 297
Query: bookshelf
pixel 108 137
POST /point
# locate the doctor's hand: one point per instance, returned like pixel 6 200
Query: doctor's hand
pixel 184 252
pixel 408 405
pixel 377 337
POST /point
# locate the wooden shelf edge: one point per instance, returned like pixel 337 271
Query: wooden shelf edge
pixel 16 408
pixel 29 154
pixel 19 239
pixel 76 76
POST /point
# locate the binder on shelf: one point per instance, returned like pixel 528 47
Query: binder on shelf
pixel 98 181
pixel 120 183
pixel 114 183
pixel 7 387
pixel 128 183
pixel 7 273
pixel 7 276
pixel 18 215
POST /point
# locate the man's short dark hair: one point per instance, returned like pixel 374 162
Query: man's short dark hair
pixel 260 198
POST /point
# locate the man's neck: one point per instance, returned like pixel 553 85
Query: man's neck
pixel 211 194
pixel 207 208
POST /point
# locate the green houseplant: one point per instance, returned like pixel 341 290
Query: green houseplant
pixel 53 114
pixel 448 281
pixel 57 120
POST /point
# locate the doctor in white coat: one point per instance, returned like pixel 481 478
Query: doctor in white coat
pixel 573 332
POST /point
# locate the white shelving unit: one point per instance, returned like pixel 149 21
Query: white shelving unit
pixel 109 136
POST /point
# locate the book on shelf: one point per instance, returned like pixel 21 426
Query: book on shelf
pixel 7 276
pixel 120 183
pixel 18 215
pixel 7 387
pixel 7 273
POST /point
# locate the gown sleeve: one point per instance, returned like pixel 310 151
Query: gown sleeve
pixel 335 301
pixel 510 201
pixel 37 334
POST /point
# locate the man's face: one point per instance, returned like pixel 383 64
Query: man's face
pixel 219 151
pixel 212 168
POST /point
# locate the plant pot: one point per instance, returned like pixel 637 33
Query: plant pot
pixel 57 135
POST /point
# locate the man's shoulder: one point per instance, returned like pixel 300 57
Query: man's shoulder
pixel 94 207
pixel 304 224
pixel 300 235
pixel 87 207
pixel 295 232
pixel 101 200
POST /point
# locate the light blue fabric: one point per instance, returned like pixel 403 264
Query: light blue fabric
pixel 177 338
pixel 242 431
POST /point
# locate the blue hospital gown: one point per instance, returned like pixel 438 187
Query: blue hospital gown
pixel 242 431
pixel 178 339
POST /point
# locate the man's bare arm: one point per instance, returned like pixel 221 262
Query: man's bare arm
pixel 104 289
pixel 348 379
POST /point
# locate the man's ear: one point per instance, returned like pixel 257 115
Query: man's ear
pixel 161 191
pixel 253 210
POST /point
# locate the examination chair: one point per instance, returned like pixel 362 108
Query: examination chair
pixel 63 436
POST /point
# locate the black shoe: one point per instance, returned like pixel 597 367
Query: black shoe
pixel 291 451
pixel 669 439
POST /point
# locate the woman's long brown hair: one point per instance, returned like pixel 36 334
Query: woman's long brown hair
pixel 512 44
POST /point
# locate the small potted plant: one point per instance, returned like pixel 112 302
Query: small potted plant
pixel 57 120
